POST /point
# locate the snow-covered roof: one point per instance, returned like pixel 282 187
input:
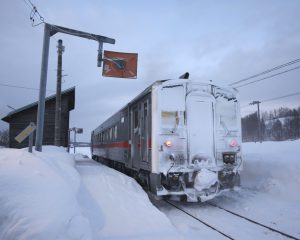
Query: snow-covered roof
pixel 69 91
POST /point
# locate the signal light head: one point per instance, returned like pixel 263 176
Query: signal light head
pixel 168 143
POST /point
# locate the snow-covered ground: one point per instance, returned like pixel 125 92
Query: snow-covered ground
pixel 269 194
pixel 56 195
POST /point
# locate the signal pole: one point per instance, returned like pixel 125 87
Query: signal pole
pixel 42 93
pixel 258 117
pixel 57 131
pixel 50 30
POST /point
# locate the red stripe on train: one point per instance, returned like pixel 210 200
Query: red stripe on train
pixel 123 144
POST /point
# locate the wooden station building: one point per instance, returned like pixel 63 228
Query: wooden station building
pixel 20 118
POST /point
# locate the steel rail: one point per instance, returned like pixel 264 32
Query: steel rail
pixel 199 220
pixel 255 222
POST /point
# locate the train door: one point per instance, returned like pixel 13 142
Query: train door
pixel 135 135
pixel 144 131
pixel 145 134
pixel 140 134
pixel 200 127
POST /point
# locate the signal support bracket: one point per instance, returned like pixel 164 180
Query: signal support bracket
pixel 49 31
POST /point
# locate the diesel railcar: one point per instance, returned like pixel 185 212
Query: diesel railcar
pixel 178 137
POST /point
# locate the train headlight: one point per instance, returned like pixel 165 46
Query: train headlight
pixel 168 143
pixel 233 143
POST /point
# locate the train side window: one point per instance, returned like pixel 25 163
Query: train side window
pixel 122 119
pixel 145 109
pixel 136 118
pixel 116 132
pixel 110 134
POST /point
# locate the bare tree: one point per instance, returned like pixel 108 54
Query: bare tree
pixel 4 138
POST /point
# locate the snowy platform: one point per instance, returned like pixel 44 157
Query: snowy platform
pixel 56 195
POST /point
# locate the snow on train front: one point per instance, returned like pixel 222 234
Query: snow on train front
pixel 196 138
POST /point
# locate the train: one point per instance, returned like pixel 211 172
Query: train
pixel 178 138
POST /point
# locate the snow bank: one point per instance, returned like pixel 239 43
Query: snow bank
pixel 125 206
pixel 272 167
pixel 38 196
pixel 55 195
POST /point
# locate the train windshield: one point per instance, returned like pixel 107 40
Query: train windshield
pixel 227 115
pixel 172 108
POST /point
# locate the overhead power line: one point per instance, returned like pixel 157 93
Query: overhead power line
pixel 273 75
pixel 266 71
pixel 285 96
pixel 275 98
pixel 34 14
pixel 22 87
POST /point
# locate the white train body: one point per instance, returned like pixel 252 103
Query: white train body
pixel 184 138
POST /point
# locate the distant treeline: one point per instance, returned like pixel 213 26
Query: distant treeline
pixel 276 125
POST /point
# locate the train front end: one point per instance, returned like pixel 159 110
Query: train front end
pixel 196 139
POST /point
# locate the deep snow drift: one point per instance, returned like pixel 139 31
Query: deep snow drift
pixel 56 195
pixel 270 185
pixel 273 168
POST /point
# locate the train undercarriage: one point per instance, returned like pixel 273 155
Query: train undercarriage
pixel 191 186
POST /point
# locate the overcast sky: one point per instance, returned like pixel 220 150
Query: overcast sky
pixel 222 41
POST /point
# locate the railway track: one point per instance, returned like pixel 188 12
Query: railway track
pixel 255 222
pixel 199 220
pixel 262 228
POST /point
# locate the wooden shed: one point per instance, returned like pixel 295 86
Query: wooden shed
pixel 20 118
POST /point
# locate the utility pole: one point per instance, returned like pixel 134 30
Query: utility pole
pixel 42 93
pixel 57 135
pixel 258 117
pixel 50 30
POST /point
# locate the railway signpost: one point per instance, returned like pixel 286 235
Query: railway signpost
pixel 119 64
pixel 28 131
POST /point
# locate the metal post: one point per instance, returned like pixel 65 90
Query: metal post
pixel 30 142
pixel 57 138
pixel 258 120
pixel 42 93
pixel 99 57
pixel 69 130
pixel 259 125
pixel 74 143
